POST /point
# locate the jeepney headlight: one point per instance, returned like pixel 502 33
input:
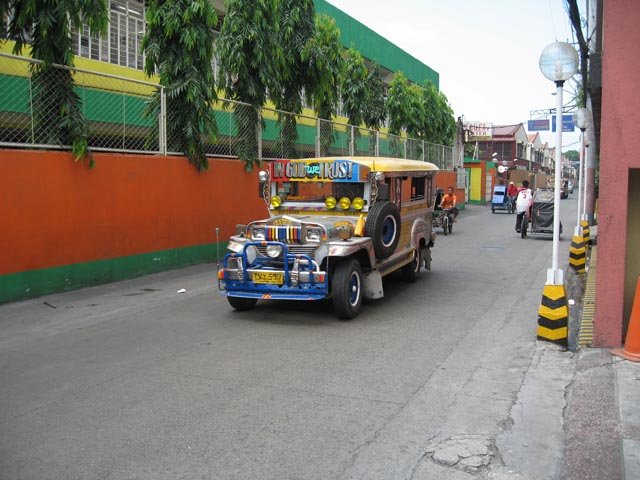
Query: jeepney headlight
pixel 274 251
pixel 358 203
pixel 330 203
pixel 276 201
pixel 344 203
pixel 257 234
pixel 263 176
pixel 313 235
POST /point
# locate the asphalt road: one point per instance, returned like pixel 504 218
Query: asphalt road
pixel 134 380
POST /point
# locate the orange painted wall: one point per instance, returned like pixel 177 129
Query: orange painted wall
pixel 54 211
pixel 446 179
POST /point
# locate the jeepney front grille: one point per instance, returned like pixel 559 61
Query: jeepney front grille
pixel 284 233
pixel 293 249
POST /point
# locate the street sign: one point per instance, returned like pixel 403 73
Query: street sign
pixel 567 123
pixel 538 125
pixel 478 131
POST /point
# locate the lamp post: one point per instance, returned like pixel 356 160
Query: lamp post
pixel 582 119
pixel 590 138
pixel 558 63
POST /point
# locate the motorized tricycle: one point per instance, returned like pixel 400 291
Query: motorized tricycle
pixel 542 214
pixel 500 200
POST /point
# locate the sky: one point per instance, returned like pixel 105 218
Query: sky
pixel 485 52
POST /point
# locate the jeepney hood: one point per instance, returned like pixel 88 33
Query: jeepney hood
pixel 329 223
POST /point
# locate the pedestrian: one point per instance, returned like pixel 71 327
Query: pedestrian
pixel 524 200
pixel 512 190
pixel 449 203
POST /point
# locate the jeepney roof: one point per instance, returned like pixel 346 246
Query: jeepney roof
pixel 381 164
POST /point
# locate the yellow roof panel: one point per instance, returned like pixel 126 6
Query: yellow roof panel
pixel 381 164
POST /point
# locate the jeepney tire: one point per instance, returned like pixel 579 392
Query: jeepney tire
pixel 411 271
pixel 241 303
pixel 383 226
pixel 347 289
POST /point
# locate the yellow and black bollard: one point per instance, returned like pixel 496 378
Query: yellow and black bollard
pixel 553 316
pixel 578 253
pixel 585 231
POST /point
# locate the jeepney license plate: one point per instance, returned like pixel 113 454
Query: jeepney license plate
pixel 271 278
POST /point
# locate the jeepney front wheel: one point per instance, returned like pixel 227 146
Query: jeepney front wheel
pixel 346 289
pixel 241 304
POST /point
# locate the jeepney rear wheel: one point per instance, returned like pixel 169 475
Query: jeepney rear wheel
pixel 346 289
pixel 383 226
pixel 411 271
pixel 241 303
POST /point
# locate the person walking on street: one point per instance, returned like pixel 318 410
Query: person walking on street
pixel 449 203
pixel 524 200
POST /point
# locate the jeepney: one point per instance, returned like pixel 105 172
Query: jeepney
pixel 336 226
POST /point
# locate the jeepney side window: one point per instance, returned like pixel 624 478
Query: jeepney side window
pixel 417 188
pixel 430 191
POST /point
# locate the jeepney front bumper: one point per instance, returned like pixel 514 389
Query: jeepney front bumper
pixel 251 273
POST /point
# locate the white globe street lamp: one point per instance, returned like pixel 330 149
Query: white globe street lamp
pixel 582 119
pixel 558 63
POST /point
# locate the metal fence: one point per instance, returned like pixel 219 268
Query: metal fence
pixel 128 115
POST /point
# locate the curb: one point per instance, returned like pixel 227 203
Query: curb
pixel 585 337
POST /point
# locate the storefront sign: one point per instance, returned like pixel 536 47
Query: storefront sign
pixel 335 171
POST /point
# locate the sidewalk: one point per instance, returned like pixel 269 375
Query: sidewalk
pixel 603 415
pixel 601 420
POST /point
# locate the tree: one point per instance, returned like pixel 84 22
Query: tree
pixel 354 87
pixel 404 106
pixel 572 155
pixel 46 25
pixel 375 111
pixel 583 49
pixel 323 54
pixel 440 124
pixel 179 46
pixel 250 61
pixel 297 27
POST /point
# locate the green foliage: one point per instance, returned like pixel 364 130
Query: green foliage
pixel 421 112
pixel 250 60
pixel 403 105
pixel 572 155
pixel 354 86
pixel 179 46
pixel 46 26
pixel 323 54
pixel 297 27
pixel 374 112
pixel 439 123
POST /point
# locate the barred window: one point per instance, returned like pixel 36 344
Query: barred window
pixel 122 45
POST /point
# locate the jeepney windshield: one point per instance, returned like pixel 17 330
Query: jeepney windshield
pixel 318 191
